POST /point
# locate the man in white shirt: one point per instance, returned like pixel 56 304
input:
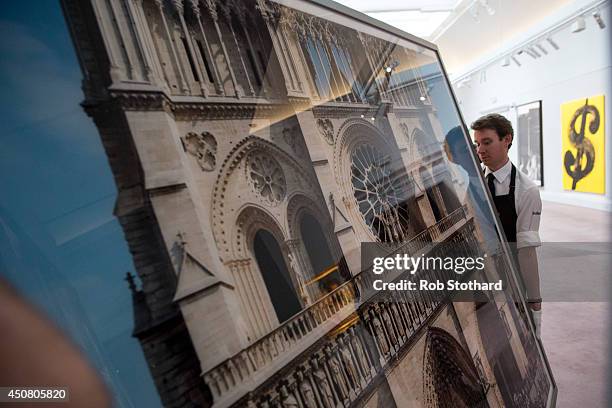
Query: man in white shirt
pixel 517 200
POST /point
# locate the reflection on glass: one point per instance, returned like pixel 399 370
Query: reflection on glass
pixel 254 147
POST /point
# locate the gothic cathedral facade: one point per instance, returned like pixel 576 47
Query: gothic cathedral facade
pixel 255 147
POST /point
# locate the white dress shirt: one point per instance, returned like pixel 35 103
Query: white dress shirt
pixel 526 200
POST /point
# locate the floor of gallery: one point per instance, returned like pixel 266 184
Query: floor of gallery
pixel 576 334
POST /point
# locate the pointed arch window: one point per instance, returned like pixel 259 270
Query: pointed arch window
pixel 326 274
pixel 276 275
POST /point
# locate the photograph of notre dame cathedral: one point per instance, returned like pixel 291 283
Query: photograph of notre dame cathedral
pixel 255 146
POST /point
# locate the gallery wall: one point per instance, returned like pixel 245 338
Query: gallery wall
pixel 580 68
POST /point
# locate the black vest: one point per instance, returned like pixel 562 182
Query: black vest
pixel 506 209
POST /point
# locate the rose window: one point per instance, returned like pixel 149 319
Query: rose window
pixel 266 177
pixel 378 191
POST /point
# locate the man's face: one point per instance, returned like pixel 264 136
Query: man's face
pixel 492 150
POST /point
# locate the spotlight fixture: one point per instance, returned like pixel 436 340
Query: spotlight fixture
pixel 533 50
pixel 391 66
pixel 578 25
pixel 505 62
pixel 542 49
pixel 483 76
pixel 552 43
pixel 464 83
pixel 599 20
pixel 373 118
pixel 474 12
pixel 518 64
pixel 530 53
pixel 422 98
pixel 487 6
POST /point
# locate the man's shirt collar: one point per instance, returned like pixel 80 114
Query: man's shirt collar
pixel 501 174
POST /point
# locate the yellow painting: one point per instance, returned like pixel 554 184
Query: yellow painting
pixel 582 130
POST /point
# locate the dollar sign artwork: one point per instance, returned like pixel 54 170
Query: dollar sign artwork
pixel 579 166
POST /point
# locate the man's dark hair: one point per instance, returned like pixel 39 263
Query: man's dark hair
pixel 496 122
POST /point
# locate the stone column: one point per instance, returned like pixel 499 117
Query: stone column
pixel 172 44
pixel 113 59
pixel 302 52
pixel 119 29
pixel 271 17
pixel 299 268
pixel 227 13
pixel 180 9
pixel 211 5
pixel 151 45
pixel 213 67
pixel 137 26
pixel 252 298
pixel 241 13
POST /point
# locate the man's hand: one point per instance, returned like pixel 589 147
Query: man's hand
pixel 528 263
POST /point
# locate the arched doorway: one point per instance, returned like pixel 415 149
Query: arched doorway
pixel 276 275
pixel 319 254
pixel 450 379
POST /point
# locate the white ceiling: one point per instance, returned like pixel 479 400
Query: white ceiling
pixel 417 17
pixel 464 30
pixel 476 35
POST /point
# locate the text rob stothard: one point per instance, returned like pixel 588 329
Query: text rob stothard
pixel 401 263
pixel 451 285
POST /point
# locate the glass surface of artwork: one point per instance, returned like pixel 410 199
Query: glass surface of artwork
pixel 529 137
pixel 257 149
pixel 583 145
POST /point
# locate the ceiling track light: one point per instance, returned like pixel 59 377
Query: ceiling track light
pixel 518 64
pixel 474 12
pixel 552 43
pixel 534 51
pixel 578 25
pixel 505 62
pixel 483 76
pixel 485 4
pixel 599 20
pixel 542 49
pixel 464 83
pixel 530 53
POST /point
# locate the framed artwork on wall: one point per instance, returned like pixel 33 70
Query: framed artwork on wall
pixel 583 145
pixel 529 141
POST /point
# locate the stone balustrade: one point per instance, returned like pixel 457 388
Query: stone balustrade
pixel 354 332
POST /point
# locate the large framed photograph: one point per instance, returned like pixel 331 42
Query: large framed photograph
pixel 259 149
pixel 529 138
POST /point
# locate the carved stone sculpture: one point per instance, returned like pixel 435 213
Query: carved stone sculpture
pixel 310 401
pixel 359 351
pixel 326 128
pixel 203 147
pixel 347 359
pixel 389 325
pixel 335 369
pixel 288 400
pixel 380 335
pixel 323 385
